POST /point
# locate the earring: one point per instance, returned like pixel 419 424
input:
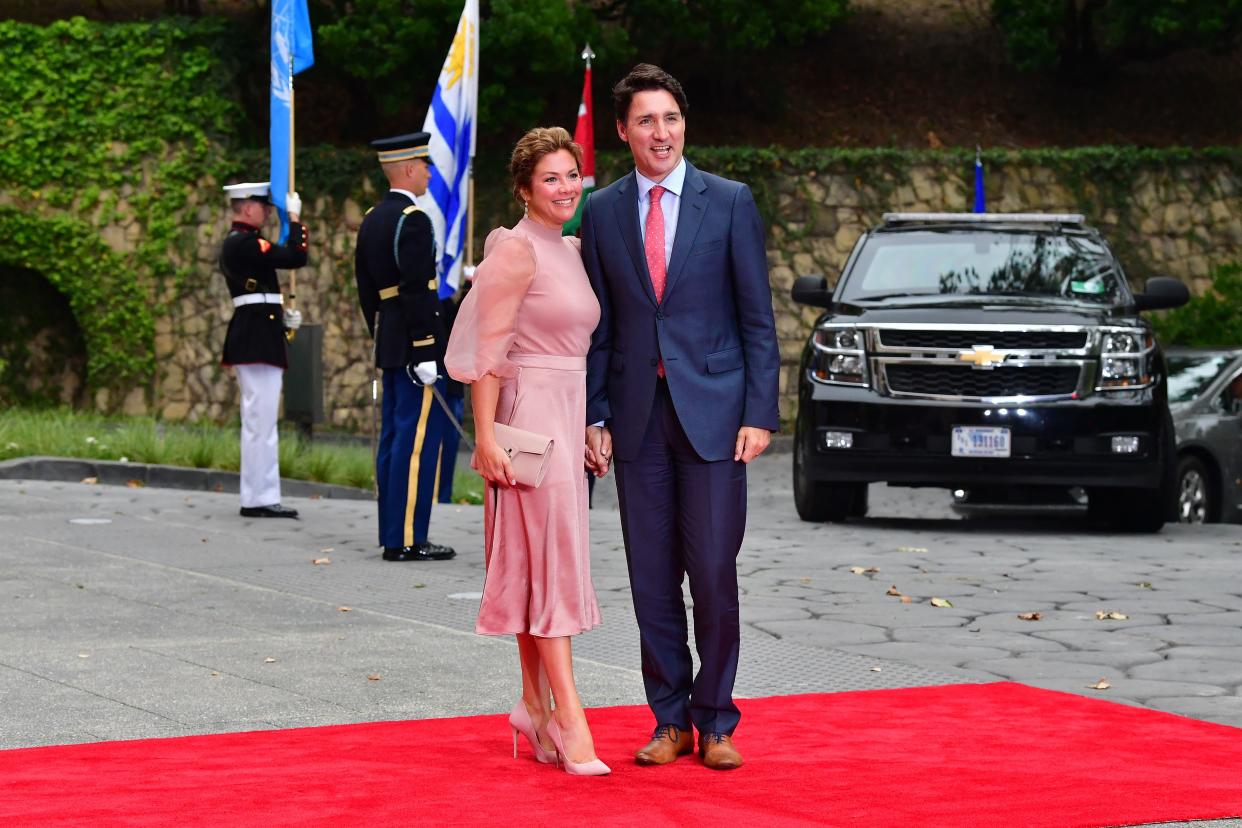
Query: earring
pixel 525 208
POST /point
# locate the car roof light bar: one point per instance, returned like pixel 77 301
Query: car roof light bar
pixel 984 218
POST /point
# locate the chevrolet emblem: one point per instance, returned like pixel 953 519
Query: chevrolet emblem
pixel 981 357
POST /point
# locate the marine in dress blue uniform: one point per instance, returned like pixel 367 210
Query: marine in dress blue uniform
pixel 255 343
pixel 395 269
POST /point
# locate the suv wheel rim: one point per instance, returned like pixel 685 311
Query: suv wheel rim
pixel 1192 498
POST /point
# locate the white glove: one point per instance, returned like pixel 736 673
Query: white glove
pixel 424 373
pixel 293 319
pixel 293 204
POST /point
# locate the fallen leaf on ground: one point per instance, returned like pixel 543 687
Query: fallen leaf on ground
pixel 1102 684
pixel 419 586
pixel 804 580
pixel 894 591
pixel 1145 585
pixel 84 655
pixel 321 561
pixel 877 669
pixel 215 674
pixel 941 602
pixel 204 540
pixel 1031 616
pixel 269 660
pixel 860 570
pixel 327 549
pixel 906 599
pixel 374 677
pixel 134 483
pixel 90 481
pixel 1111 615
pixel 912 549
pixel 343 609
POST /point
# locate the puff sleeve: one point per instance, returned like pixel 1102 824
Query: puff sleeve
pixel 486 324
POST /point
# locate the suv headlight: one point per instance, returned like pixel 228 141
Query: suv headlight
pixel 1125 355
pixel 840 355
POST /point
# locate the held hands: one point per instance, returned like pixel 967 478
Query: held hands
pixel 424 373
pixel 293 319
pixel 598 450
pixel 751 443
pixel 293 205
pixel 491 461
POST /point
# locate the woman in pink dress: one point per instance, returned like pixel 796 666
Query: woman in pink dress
pixel 521 339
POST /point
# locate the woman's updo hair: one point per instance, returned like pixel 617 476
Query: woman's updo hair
pixel 533 146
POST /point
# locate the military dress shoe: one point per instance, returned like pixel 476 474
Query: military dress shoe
pixel 275 510
pixel 667 743
pixel 718 751
pixel 418 552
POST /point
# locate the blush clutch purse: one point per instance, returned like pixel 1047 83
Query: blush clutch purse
pixel 529 453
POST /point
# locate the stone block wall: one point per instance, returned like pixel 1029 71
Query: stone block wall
pixel 1176 220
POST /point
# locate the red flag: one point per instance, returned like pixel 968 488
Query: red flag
pixel 584 136
pixel 584 132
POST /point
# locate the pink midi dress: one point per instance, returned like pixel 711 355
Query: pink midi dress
pixel 528 320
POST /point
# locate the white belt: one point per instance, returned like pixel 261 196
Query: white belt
pixel 258 299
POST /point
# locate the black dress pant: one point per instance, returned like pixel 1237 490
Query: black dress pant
pixel 681 516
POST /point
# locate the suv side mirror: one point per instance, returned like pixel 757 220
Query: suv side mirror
pixel 812 290
pixel 1162 292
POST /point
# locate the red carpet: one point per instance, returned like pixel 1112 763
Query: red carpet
pixel 960 755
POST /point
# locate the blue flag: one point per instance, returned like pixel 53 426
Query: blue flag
pixel 452 120
pixel 980 200
pixel 291 53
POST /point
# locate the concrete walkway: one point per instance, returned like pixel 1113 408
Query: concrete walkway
pixel 140 612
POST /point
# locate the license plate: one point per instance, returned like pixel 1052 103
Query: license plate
pixel 980 441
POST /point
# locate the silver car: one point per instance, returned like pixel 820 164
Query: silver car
pixel 1205 398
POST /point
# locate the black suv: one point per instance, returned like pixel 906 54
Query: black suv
pixel 986 352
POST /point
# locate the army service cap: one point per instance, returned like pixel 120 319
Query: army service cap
pixel 256 190
pixel 404 147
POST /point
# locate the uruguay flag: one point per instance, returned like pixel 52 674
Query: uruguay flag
pixel 291 53
pixel 452 121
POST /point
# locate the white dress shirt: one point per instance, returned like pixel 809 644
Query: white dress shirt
pixel 670 204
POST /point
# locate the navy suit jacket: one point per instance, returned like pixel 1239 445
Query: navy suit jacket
pixel 714 328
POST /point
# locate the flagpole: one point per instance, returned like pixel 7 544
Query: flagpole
pixel 293 274
pixel 470 216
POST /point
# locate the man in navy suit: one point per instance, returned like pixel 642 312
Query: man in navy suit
pixel 682 382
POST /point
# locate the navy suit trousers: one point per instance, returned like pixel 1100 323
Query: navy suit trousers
pixel 682 515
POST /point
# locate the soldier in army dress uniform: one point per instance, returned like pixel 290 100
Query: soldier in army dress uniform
pixel 395 268
pixel 255 343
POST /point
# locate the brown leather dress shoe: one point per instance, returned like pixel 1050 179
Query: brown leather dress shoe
pixel 667 743
pixel 718 751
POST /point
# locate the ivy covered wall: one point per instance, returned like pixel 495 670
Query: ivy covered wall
pixel 115 140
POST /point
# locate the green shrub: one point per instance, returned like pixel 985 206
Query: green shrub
pixel 1211 320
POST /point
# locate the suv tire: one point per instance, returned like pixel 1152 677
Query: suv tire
pixel 1128 510
pixel 1196 501
pixel 817 502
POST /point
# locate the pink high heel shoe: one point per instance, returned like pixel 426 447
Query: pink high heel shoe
pixel 592 768
pixel 520 722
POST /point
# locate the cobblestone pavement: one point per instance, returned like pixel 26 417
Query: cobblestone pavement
pixel 147 612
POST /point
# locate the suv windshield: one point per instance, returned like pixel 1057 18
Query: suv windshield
pixel 985 262
pixel 1190 374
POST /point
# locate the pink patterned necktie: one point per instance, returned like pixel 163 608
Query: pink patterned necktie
pixel 654 243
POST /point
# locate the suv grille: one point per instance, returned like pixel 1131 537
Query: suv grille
pixel 942 380
pixel 1024 340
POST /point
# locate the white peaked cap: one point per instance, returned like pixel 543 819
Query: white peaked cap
pixel 250 189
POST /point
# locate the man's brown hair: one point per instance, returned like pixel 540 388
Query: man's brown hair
pixel 643 78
